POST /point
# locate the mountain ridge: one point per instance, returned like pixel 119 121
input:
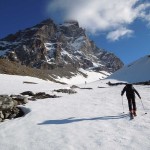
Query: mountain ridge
pixel 49 46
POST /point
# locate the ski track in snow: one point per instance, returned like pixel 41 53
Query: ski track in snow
pixel 88 120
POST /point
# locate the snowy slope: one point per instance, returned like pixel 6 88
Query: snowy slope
pixel 137 71
pixel 88 120
pixel 80 79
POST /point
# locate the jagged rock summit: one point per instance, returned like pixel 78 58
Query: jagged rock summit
pixel 49 46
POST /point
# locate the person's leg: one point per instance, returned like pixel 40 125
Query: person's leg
pixel 134 106
pixel 130 107
pixel 130 104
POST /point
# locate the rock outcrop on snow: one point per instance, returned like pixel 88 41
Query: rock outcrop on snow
pixel 8 106
pixel 39 95
pixel 69 91
pixel 49 46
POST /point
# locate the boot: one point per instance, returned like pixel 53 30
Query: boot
pixel 131 115
pixel 134 113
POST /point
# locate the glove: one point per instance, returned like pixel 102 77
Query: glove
pixel 121 93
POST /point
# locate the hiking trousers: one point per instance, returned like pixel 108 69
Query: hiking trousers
pixel 131 103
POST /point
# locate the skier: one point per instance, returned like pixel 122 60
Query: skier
pixel 130 94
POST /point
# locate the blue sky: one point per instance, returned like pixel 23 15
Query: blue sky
pixel 119 26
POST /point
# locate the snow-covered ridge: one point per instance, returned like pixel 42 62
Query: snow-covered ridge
pixel 138 71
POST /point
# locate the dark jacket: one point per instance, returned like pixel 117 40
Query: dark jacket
pixel 130 91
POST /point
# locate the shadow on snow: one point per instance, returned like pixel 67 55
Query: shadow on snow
pixel 72 119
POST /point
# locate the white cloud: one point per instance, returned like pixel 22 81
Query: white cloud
pixel 102 15
pixel 144 12
pixel 120 33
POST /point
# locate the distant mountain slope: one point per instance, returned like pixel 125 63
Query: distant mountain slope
pixel 49 46
pixel 138 71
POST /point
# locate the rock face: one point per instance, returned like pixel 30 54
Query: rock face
pixel 48 46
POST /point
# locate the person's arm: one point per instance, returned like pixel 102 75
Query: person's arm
pixel 122 92
pixel 137 93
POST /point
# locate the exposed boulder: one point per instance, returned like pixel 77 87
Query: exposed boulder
pixel 8 107
pixel 20 99
pixel 6 102
pixel 29 93
pixel 74 87
pixel 69 91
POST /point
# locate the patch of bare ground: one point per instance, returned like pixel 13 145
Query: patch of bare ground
pixel 14 68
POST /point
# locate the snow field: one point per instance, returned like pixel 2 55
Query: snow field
pixel 88 120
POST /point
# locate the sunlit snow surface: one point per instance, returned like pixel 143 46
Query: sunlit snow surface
pixel 80 79
pixel 137 71
pixel 88 120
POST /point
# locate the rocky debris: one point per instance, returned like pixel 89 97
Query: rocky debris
pixel 101 87
pixel 39 95
pixel 27 82
pixel 43 95
pixel 122 83
pixel 18 112
pixel 74 87
pixel 29 93
pixel 143 83
pixel 8 106
pixel 115 84
pixel 19 99
pixel 87 88
pixel 6 102
pixel 69 91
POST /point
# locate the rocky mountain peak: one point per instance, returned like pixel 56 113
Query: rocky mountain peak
pixel 45 22
pixel 49 46
pixel 71 23
pixel 71 29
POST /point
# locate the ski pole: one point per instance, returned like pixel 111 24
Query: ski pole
pixel 122 104
pixel 143 106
